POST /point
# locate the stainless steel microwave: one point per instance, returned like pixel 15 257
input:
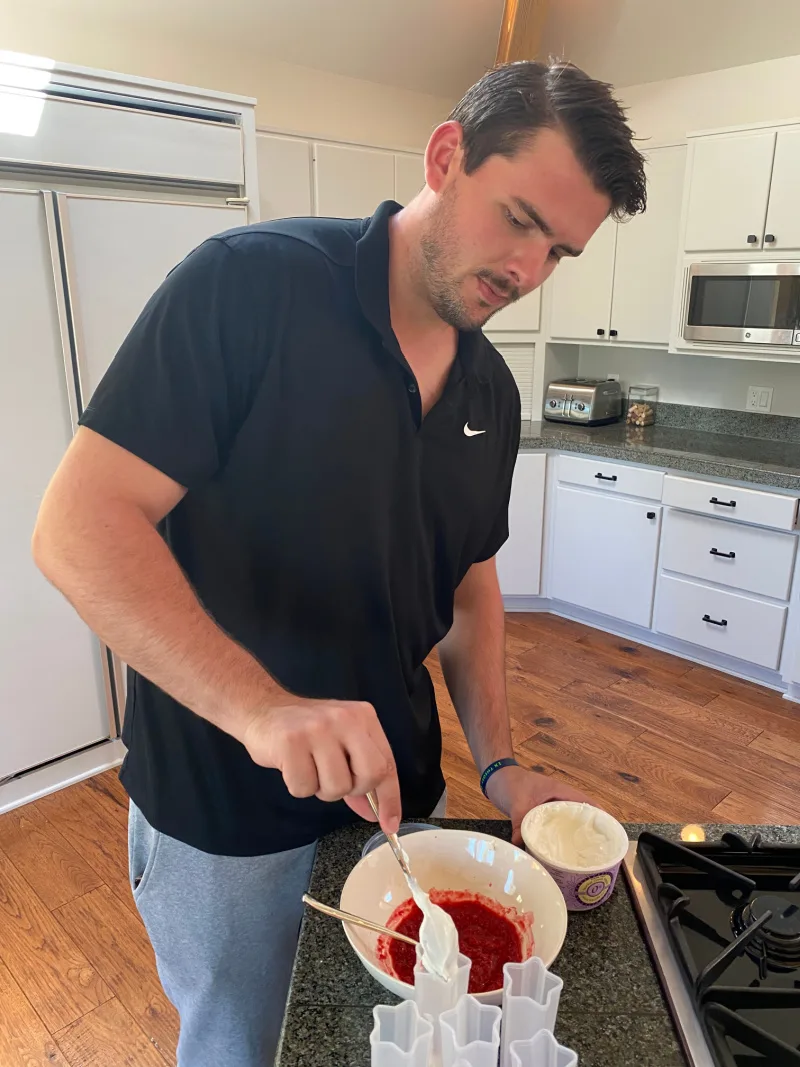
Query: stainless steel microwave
pixel 743 303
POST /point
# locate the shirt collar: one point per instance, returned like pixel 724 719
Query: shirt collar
pixel 372 289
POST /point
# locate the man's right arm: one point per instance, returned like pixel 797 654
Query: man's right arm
pixel 96 540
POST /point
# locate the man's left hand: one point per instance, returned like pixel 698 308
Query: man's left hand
pixel 516 790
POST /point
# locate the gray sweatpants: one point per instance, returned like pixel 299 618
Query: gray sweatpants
pixel 224 931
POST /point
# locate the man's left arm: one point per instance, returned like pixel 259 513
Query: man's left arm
pixel 473 662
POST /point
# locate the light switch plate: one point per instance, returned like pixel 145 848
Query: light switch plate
pixel 759 398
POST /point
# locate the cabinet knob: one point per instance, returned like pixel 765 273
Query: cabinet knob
pixel 752 239
pixel 601 333
pixel 651 514
pixel 715 622
pixel 612 333
pixel 769 238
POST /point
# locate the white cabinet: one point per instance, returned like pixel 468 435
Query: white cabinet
pixel 783 217
pixel 284 176
pixel 519 560
pixel 523 316
pixel 349 182
pixel 118 251
pixel 409 176
pixel 52 695
pixel 620 288
pixel 604 553
pixel 729 181
pixel 647 249
pixel 581 290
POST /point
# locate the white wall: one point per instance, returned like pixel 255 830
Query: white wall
pixel 704 381
pixel 666 110
pixel 292 98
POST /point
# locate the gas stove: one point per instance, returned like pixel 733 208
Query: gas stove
pixel 723 925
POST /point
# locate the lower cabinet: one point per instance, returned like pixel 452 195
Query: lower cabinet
pixel 519 561
pixel 604 553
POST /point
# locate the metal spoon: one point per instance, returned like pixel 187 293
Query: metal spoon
pixel 393 840
pixel 356 920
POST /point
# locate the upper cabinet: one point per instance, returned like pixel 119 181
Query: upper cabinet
pixel 729 183
pixel 620 288
pixel 522 316
pixel 350 182
pixel 743 192
pixel 409 176
pixel 783 217
pixel 284 176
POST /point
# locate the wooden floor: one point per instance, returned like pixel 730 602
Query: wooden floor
pixel 649 736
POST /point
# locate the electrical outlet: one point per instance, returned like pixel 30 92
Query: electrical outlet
pixel 612 377
pixel 759 398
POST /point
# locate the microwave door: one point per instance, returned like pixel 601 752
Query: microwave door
pixel 727 303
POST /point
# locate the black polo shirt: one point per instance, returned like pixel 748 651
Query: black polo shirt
pixel 326 525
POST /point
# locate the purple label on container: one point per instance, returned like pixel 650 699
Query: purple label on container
pixel 584 891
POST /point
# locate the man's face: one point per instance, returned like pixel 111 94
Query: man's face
pixel 494 235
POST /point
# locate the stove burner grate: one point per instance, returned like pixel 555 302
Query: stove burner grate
pixel 776 946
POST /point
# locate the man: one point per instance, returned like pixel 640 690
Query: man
pixel 289 487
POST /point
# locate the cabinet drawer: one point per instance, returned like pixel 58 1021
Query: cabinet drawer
pixel 616 477
pixel 759 506
pixel 758 561
pixel 731 623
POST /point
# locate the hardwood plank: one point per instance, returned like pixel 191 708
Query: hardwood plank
pixel 108 783
pixel 777 746
pixel 742 770
pixel 702 793
pixel 776 723
pixel 465 802
pixel 52 972
pixel 24 1041
pixel 662 714
pixel 49 864
pixel 108 1037
pixel 534 625
pixel 757 811
pixel 722 683
pixel 116 944
pixel 90 824
pixel 729 725
pixel 564 715
pixel 637 655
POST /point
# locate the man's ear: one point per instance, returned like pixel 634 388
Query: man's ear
pixel 444 155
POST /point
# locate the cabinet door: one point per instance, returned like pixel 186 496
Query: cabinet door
pixel 604 554
pixel 519 560
pixel 783 216
pixel 118 252
pixel 581 296
pixel 284 176
pixel 409 177
pixel 520 359
pixel 647 249
pixel 522 316
pixel 728 192
pixel 52 694
pixel 349 183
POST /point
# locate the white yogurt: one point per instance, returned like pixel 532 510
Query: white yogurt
pixel 438 936
pixel 573 836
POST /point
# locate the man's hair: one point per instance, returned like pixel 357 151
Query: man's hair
pixel 501 113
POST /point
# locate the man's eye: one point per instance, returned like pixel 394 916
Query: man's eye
pixel 514 221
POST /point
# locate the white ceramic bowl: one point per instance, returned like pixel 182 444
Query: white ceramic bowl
pixel 456 860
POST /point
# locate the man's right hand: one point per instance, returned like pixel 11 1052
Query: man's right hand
pixel 331 749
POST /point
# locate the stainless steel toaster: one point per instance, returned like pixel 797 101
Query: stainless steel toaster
pixel 590 401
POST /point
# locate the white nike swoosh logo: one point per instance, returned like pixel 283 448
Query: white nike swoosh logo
pixel 471 433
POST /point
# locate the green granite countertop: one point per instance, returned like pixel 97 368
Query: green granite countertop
pixel 715 455
pixel 612 1011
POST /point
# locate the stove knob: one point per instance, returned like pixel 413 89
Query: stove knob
pixel 553 403
pixel 581 407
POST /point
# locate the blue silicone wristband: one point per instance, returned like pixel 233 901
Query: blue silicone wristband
pixel 498 764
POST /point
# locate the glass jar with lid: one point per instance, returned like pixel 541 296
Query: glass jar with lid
pixel 642 400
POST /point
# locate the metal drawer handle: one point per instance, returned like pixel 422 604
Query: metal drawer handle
pixel 606 477
pixel 727 555
pixel 723 503
pixel 715 622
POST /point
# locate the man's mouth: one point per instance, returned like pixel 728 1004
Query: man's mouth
pixel 490 295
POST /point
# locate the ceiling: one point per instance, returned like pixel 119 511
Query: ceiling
pixel 431 46
pixel 631 41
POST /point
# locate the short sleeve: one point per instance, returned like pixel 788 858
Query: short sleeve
pixel 499 532
pixel 180 386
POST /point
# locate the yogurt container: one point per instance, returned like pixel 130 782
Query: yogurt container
pixel 581 846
